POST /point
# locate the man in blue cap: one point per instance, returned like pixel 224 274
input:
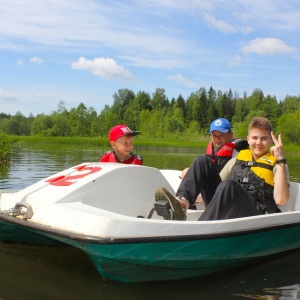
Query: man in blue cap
pixel 221 148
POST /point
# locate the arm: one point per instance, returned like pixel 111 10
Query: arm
pixel 227 168
pixel 281 185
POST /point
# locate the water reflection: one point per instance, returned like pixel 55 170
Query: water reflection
pixel 29 166
pixel 31 272
pixel 294 166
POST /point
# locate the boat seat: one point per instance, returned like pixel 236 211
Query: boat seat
pixel 127 190
pixel 292 203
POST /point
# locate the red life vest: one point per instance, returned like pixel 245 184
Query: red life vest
pixel 222 156
pixel 110 156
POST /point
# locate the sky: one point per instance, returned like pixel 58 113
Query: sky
pixel 84 51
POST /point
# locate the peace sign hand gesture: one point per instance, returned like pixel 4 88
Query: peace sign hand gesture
pixel 277 149
pixel 281 186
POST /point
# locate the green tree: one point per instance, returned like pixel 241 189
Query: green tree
pixel 289 126
pixel 240 129
pixel 18 125
pixel 95 126
pixel 107 119
pixel 189 117
pixel 196 107
pixel 132 114
pixel 219 106
pixel 4 125
pixel 291 104
pixel 228 105
pixel 181 105
pixel 152 124
pixel 121 100
pixel 60 120
pixel 211 110
pixel 203 107
pixel 159 99
pixel 143 101
pixel 193 131
pixel 175 121
pixel 271 108
pixel 159 117
pixel 254 102
pixel 80 120
pixel 42 125
pixel 241 110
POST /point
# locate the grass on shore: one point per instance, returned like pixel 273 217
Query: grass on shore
pixel 98 143
pixel 102 143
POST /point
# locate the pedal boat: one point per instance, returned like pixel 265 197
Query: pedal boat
pixel 107 211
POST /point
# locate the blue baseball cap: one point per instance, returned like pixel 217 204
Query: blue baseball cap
pixel 222 125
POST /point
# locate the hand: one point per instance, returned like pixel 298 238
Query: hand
pixel 277 149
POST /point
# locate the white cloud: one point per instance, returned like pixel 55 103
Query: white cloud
pixel 6 96
pixel 20 62
pixel 152 61
pixel 105 68
pixel 245 16
pixel 36 60
pixel 183 81
pixel 267 46
pixel 157 6
pixel 246 30
pixel 269 14
pixel 218 24
pixel 121 27
pixel 236 61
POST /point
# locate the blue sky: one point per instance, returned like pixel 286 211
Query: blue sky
pixel 85 51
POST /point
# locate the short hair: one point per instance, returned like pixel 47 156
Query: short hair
pixel 261 123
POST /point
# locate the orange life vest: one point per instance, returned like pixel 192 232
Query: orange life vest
pixel 110 156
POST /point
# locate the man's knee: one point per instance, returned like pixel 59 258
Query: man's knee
pixel 228 184
pixel 202 160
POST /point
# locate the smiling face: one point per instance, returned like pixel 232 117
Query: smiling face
pixel 123 146
pixel 219 138
pixel 259 141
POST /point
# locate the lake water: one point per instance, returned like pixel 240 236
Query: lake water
pixel 31 272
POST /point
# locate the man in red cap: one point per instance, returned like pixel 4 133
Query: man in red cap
pixel 121 140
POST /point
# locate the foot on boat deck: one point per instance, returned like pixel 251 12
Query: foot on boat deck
pixel 176 207
pixel 163 209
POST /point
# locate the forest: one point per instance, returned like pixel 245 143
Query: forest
pixel 158 117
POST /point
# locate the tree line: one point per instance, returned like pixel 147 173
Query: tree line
pixel 157 117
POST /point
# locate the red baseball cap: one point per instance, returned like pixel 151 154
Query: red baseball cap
pixel 120 130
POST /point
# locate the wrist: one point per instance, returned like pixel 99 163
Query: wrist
pixel 281 161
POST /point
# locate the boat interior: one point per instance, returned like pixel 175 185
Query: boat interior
pixel 120 189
